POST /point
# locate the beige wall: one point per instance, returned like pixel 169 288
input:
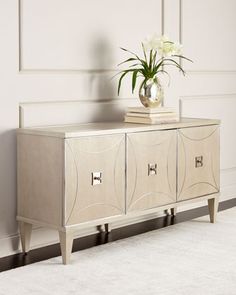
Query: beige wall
pixel 67 50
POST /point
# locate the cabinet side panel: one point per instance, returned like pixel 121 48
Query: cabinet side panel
pixel 40 178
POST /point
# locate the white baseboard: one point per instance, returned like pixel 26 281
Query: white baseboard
pixel 43 237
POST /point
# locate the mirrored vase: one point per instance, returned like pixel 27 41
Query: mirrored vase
pixel 151 93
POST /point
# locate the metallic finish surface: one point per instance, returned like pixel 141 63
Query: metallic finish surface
pixel 151 93
pixel 96 178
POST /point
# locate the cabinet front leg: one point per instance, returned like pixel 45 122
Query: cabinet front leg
pixel 25 235
pixel 66 242
pixel 213 208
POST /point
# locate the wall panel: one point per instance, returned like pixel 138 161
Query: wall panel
pixel 208 33
pixel 83 35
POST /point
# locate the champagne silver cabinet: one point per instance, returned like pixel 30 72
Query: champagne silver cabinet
pixel 72 177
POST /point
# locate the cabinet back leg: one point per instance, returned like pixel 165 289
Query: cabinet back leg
pixel 66 242
pixel 25 235
pixel 213 208
pixel 173 211
pixel 108 227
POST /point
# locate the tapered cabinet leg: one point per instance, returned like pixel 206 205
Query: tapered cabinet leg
pixel 25 235
pixel 213 208
pixel 66 242
pixel 173 211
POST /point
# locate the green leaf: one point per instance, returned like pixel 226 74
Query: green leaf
pixel 176 64
pixel 181 56
pixel 159 63
pixel 134 79
pixel 150 60
pixel 123 75
pixel 120 80
pixel 124 49
pixel 143 62
pixel 134 65
pixel 117 74
pixel 143 72
pixel 127 60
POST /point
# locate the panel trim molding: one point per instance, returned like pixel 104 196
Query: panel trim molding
pixel 72 112
pixel 200 71
pixel 204 97
pixel 22 69
pixel 208 96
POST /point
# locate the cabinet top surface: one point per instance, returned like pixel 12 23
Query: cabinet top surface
pixel 100 128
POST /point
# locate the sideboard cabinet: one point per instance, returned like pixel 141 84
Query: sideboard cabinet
pixel 71 177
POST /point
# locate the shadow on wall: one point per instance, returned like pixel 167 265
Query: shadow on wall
pixel 101 81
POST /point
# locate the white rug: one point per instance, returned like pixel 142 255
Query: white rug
pixel 193 257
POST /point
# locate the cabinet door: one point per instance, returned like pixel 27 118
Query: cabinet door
pixel 198 161
pixel 94 178
pixel 151 169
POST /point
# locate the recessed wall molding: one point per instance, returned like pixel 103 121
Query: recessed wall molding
pixel 209 96
pixel 56 43
pixel 216 56
pixel 72 112
pixel 206 72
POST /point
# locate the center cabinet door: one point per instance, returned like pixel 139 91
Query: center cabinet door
pixel 151 169
pixel 94 178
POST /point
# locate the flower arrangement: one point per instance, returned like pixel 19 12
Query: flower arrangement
pixel 158 52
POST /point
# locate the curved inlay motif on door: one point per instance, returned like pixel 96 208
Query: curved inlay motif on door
pixel 87 157
pixel 156 151
pixel 198 161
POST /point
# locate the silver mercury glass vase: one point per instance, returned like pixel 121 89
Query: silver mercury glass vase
pixel 151 93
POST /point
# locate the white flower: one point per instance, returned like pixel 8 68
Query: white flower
pixel 152 42
pixel 163 45
pixel 177 48
pixel 169 48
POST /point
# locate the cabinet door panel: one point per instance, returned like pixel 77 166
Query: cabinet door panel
pixel 151 169
pixel 94 178
pixel 198 161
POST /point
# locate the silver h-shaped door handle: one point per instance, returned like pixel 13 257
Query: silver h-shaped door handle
pixel 152 169
pixel 96 178
pixel 198 161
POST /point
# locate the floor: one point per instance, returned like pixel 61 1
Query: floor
pixel 41 254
